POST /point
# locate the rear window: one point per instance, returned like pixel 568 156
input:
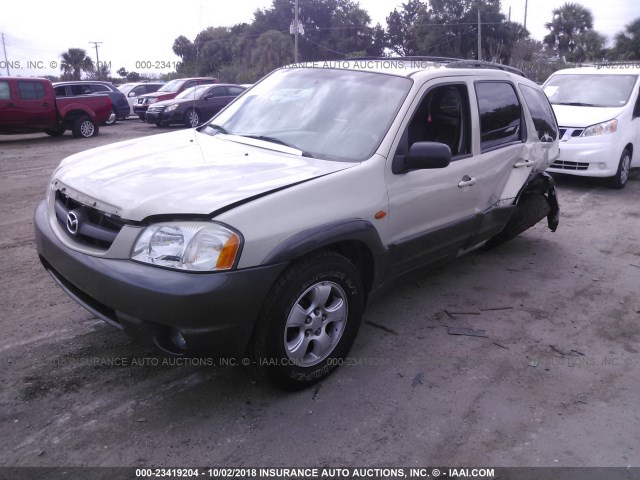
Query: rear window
pixel 541 112
pixel 30 90
pixel 500 114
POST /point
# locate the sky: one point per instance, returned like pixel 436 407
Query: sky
pixel 139 35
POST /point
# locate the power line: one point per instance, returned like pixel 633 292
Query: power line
pixel 95 44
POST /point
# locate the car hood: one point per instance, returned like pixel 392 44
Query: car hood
pixel 185 172
pixel 571 116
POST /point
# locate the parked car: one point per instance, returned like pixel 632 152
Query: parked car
pixel 167 92
pixel 133 90
pixel 261 234
pixel 193 106
pixel 598 110
pixel 119 104
pixel 29 105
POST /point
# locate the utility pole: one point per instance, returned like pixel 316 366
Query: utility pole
pixel 296 28
pixel 479 34
pixel 509 13
pixel 95 44
pixel 526 4
pixel 295 23
pixel 4 48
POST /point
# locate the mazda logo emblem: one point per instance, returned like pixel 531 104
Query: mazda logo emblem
pixel 73 223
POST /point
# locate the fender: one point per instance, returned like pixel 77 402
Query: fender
pixel 348 230
pixel 541 182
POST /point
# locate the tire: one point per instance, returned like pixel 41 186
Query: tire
pixel 84 127
pixel 191 118
pixel 531 208
pixel 619 180
pixel 56 133
pixel 309 320
pixel 113 118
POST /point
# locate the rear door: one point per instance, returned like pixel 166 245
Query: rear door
pixel 35 107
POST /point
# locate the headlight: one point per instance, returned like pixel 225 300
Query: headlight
pixel 152 100
pixel 192 246
pixel 601 128
pixel 171 108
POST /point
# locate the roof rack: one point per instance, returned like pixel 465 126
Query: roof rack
pixel 450 62
pixel 481 64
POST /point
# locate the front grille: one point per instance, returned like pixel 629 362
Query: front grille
pixel 92 227
pixel 565 133
pixel 565 165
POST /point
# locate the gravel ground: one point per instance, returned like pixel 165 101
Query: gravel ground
pixel 554 383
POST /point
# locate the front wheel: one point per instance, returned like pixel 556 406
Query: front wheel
pixel 84 127
pixel 191 119
pixel 619 180
pixel 309 321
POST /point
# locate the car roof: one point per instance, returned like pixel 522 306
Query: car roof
pixel 83 82
pixel 409 66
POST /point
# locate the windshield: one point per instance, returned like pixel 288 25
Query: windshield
pixel 194 93
pixel 590 90
pixel 326 113
pixel 172 86
pixel 126 88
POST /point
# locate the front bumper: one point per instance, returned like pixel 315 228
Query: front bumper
pixel 588 158
pixel 214 312
pixel 153 116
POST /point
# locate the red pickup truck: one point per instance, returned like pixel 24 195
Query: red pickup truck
pixel 29 105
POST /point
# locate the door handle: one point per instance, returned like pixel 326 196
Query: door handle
pixel 466 181
pixel 525 163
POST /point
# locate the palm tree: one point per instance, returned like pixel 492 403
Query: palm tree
pixel 74 62
pixel 273 49
pixel 569 21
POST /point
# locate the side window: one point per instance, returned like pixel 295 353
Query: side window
pixel 189 84
pixel 139 90
pixel 500 114
pixel 5 93
pixel 218 92
pixel 235 91
pixel 443 116
pixel 80 90
pixel 541 112
pixel 60 91
pixel 30 90
pixel 96 87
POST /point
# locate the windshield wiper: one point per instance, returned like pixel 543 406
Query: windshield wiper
pixel 266 138
pixel 576 104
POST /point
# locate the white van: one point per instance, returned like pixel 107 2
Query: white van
pixel 598 111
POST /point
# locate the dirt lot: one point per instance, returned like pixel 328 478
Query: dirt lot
pixel 556 383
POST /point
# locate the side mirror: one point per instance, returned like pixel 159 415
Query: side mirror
pixel 132 94
pixel 208 96
pixel 422 156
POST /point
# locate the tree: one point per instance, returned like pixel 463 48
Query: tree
pixel 568 23
pixel 273 49
pixel 74 62
pixel 627 43
pixel 590 46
